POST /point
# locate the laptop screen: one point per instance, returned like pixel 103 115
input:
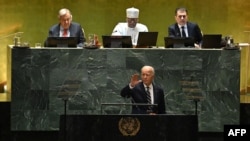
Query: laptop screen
pixel 116 41
pixel 62 42
pixel 211 41
pixel 147 39
pixel 179 42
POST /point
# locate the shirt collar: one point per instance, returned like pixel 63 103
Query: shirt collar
pixel 185 26
pixel 150 86
pixel 61 28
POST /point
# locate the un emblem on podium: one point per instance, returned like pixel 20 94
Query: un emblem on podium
pixel 129 126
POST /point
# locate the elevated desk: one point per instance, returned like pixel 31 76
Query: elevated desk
pixel 40 80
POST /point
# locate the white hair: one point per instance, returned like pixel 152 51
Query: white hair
pixel 64 11
pixel 149 68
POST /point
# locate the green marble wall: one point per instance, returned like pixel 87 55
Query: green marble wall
pixel 42 78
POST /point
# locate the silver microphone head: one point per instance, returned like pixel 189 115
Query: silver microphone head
pixel 17 34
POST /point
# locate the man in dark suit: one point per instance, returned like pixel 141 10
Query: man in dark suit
pixel 67 28
pixel 145 93
pixel 183 28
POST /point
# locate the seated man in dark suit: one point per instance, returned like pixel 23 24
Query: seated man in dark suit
pixel 67 28
pixel 184 28
pixel 145 92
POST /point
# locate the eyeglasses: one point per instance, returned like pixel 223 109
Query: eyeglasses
pixel 182 16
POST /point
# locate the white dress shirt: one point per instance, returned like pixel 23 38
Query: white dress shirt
pixel 185 29
pixel 122 29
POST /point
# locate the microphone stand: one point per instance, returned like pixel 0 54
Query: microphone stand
pixel 17 37
pixel 196 105
pixel 196 100
pixel 64 122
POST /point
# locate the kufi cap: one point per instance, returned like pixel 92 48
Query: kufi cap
pixel 132 13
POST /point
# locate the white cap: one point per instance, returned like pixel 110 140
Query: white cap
pixel 132 13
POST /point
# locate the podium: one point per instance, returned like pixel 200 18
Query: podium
pixel 129 128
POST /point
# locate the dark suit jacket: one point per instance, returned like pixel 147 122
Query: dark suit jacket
pixel 193 31
pixel 138 95
pixel 75 30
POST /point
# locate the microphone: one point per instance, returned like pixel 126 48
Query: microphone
pixel 142 104
pixel 17 38
pixel 115 33
pixel 9 35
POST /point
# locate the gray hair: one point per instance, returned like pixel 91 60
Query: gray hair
pixel 64 11
pixel 149 67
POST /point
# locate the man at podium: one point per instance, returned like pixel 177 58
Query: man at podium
pixel 147 97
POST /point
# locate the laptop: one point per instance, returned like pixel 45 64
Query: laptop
pixel 116 41
pixel 211 41
pixel 68 42
pixel 146 39
pixel 179 42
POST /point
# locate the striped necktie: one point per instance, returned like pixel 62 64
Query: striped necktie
pixel 149 109
pixel 148 95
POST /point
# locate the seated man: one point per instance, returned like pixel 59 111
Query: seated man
pixel 131 27
pixel 67 28
pixel 183 28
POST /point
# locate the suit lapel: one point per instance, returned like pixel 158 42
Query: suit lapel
pixel 57 31
pixel 144 91
pixel 189 28
pixel 155 93
pixel 177 30
pixel 70 30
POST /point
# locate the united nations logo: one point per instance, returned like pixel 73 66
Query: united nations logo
pixel 129 126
